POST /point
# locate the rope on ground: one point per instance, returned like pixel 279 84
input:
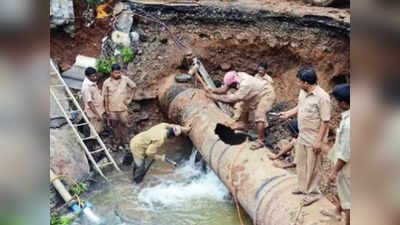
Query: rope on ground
pixel 232 187
pixel 298 212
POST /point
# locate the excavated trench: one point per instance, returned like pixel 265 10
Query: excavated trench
pixel 237 39
pixel 226 38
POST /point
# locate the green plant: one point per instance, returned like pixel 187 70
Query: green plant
pixel 78 188
pixel 104 65
pixel 127 54
pixel 56 220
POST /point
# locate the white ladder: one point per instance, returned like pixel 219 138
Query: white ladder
pixel 93 134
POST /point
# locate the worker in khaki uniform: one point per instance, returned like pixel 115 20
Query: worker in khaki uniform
pixel 94 102
pixel 118 92
pixel 262 72
pixel 238 115
pixel 340 155
pixel 313 114
pixel 257 95
pixel 148 144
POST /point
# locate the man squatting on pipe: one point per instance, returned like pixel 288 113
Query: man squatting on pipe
pixel 257 95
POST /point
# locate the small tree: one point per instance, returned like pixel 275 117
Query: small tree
pixel 127 54
pixel 104 65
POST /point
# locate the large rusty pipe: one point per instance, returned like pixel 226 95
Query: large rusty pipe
pixel 263 190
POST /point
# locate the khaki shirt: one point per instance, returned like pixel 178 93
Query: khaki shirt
pixel 149 143
pixel 341 148
pixel 313 109
pixel 250 90
pixel 117 92
pixel 93 94
pixel 265 77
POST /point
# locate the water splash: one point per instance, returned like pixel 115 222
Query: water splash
pixel 91 216
pixel 180 196
pixel 190 184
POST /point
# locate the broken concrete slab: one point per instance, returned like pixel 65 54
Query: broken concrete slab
pixel 124 22
pixel 62 14
pixel 121 38
pixel 119 7
pixel 75 75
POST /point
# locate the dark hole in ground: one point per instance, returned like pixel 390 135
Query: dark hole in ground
pixel 228 136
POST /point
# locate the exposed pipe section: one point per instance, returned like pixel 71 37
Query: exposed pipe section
pixel 60 187
pixel 263 190
pixel 74 205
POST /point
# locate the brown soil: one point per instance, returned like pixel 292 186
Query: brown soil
pixel 87 41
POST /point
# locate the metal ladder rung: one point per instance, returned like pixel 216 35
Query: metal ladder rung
pixel 105 164
pixel 97 151
pixel 81 124
pixel 90 137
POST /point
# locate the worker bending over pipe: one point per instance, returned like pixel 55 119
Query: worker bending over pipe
pixel 148 144
pixel 258 96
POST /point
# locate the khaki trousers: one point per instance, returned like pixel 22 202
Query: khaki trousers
pixel 97 124
pixel 258 112
pixel 308 165
pixel 120 126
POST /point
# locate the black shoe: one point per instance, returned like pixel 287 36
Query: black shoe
pixel 138 173
pixel 128 159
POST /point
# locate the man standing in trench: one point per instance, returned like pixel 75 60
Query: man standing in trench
pixel 341 155
pixel 118 92
pixel 313 114
pixel 148 144
pixel 93 100
pixel 258 96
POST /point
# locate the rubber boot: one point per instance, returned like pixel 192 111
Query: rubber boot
pixel 138 170
pixel 128 159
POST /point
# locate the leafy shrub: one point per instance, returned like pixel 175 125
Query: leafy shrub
pixel 104 65
pixel 56 220
pixel 127 54
pixel 78 188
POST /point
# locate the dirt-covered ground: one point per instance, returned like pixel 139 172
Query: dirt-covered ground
pixel 288 34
